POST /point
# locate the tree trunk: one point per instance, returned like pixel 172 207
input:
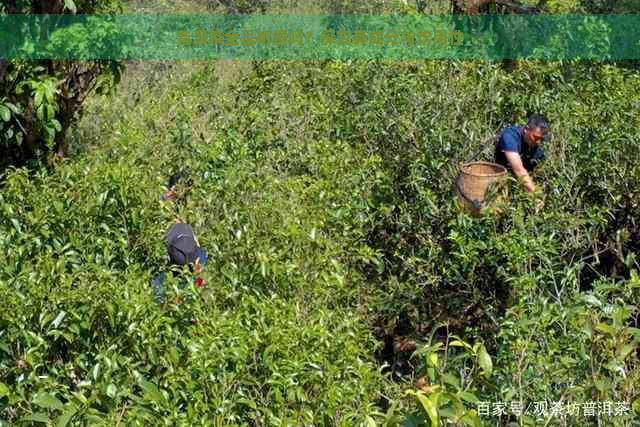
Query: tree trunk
pixel 4 65
pixel 233 8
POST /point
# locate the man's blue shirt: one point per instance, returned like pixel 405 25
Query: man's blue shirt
pixel 512 139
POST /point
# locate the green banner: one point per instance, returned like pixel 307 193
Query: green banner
pixel 316 36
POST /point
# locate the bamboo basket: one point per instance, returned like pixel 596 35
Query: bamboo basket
pixel 473 181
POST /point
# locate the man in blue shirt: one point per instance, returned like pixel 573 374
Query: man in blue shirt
pixel 520 148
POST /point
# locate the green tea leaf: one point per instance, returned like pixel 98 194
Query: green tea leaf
pixel 48 401
pixel 39 417
pixel 151 391
pixel 370 422
pixel 459 343
pixel 56 322
pixel 111 390
pixel 433 359
pixel 16 225
pixel 485 361
pixel 5 113
pixel 625 350
pixel 429 408
pixel 606 328
pixel 472 419
pixel 38 98
pixel 64 419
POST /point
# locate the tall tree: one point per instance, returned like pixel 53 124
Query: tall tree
pixel 41 99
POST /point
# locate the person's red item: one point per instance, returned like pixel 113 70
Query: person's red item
pixel 199 282
pixel 168 195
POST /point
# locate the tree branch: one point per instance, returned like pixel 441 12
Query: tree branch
pixel 518 8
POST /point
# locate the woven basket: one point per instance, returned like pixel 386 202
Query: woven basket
pixel 473 181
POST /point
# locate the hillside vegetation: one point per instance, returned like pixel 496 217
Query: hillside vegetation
pixel 344 285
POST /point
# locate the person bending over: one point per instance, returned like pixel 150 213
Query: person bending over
pixel 520 150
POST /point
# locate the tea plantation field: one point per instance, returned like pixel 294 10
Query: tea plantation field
pixel 344 286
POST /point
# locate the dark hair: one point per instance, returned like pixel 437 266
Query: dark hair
pixel 173 180
pixel 179 176
pixel 538 121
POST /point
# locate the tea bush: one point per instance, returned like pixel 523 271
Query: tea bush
pixel 83 340
pixel 427 263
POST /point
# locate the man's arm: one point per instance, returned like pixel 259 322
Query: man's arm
pixel 521 172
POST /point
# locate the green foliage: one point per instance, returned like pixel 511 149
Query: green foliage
pixel 44 93
pixel 93 39
pixel 562 6
pixel 272 338
pixel 596 37
pixel 604 6
pixel 41 99
pixel 447 391
pixel 323 194
pixel 426 262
